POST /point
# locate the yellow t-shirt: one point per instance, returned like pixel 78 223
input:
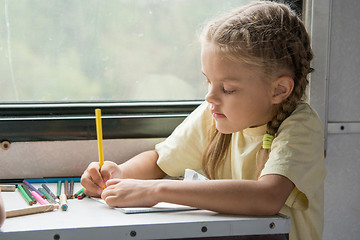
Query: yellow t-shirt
pixel 296 153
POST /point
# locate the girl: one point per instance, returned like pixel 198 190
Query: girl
pixel 260 145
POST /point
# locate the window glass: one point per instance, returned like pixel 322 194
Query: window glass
pixel 113 50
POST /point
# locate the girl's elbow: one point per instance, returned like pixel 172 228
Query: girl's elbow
pixel 272 209
pixel 270 206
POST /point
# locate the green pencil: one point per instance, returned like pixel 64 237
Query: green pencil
pixel 24 194
pixel 58 193
pixel 27 191
pixel 47 195
pixel 79 192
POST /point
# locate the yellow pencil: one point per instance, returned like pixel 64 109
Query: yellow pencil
pixel 99 136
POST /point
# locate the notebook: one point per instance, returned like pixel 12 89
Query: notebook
pixel 160 207
pixel 190 175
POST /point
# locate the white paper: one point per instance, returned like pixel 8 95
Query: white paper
pixel 160 207
pixel 191 175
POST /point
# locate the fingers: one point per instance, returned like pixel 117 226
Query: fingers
pixel 92 180
pixel 128 193
pixel 110 194
pixel 109 170
pixel 110 188
pixel 112 201
pixel 111 182
pixel 90 189
pixel 94 173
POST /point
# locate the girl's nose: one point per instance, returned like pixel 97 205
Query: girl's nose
pixel 211 96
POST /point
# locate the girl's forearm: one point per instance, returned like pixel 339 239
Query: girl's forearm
pixel 142 166
pixel 226 196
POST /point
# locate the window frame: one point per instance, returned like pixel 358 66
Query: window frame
pixel 22 122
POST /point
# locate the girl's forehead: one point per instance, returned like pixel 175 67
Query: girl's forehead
pixel 216 66
pixel 212 57
pixel 209 47
pixel 223 54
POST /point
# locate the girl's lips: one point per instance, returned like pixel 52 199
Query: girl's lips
pixel 217 115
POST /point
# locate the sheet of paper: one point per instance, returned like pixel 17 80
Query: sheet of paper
pixel 160 207
pixel 190 175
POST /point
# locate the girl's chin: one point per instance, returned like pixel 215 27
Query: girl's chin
pixel 224 130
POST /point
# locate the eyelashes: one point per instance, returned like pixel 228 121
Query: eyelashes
pixel 226 91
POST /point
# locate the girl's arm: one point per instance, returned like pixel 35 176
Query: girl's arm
pixel 142 166
pixel 263 197
pixel 2 211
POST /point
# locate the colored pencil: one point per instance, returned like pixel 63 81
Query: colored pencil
pixel 63 202
pixel 58 193
pixel 81 196
pixel 28 192
pixel 66 188
pixel 99 136
pixel 32 188
pixel 71 191
pixel 78 192
pixel 47 195
pixel 31 210
pixel 39 198
pixel 8 188
pixel 24 194
pixel 49 191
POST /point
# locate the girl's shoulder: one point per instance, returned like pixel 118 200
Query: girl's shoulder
pixel 303 118
pixel 305 108
pixel 306 112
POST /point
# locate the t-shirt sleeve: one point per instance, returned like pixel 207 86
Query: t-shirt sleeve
pixel 298 154
pixel 184 147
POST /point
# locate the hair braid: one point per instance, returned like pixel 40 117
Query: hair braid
pixel 298 54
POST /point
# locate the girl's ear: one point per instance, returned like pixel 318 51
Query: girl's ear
pixel 282 88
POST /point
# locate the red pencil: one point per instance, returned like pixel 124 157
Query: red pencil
pixel 81 196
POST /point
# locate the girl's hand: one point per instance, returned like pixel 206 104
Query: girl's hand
pixel 93 179
pixel 130 193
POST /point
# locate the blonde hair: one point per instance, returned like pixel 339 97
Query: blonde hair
pixel 272 38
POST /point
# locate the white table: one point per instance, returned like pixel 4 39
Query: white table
pixel 89 219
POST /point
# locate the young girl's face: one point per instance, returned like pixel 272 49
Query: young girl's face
pixel 239 96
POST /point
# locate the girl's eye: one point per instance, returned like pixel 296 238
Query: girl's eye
pixel 228 91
